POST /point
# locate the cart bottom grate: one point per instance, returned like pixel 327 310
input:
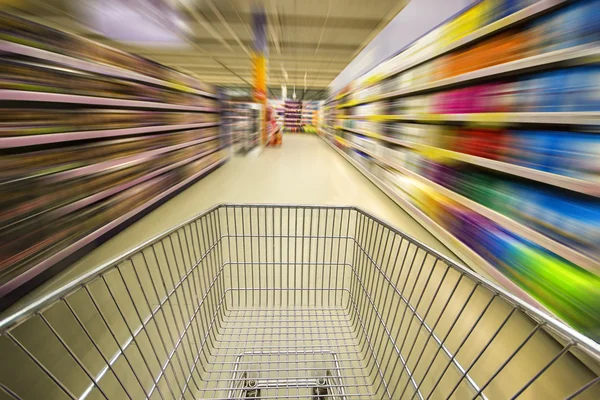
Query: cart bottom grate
pixel 286 353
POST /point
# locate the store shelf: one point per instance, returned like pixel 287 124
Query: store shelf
pixel 104 166
pixel 84 202
pixel 89 66
pixel 19 95
pixel 534 236
pixel 449 240
pixel 582 118
pixel 341 95
pixel 33 140
pixel 561 181
pixel 362 132
pixel 517 17
pixel 579 55
pixel 90 238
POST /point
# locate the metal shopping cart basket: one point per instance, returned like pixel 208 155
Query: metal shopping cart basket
pixel 288 302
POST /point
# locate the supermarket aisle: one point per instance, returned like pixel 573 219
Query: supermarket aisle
pixel 305 170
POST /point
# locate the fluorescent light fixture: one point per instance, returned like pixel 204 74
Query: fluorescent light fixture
pixel 137 21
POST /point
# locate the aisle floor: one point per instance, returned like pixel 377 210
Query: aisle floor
pixel 304 170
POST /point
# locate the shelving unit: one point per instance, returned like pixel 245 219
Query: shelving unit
pixel 25 96
pixel 96 156
pixel 492 119
pixel 310 115
pixel 460 134
pixel 396 65
pixel 560 181
pixel 449 240
pixel 244 123
pixel 292 120
pixel 40 139
pixel 578 55
pixel 279 109
pixel 566 252
pixel 94 67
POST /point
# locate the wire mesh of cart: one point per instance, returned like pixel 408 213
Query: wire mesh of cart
pixel 288 302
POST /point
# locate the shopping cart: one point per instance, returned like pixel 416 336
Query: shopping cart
pixel 289 302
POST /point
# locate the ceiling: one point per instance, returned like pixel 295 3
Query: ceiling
pixel 315 39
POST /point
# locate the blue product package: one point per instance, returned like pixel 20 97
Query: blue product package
pixel 533 149
pixel 553 86
pixel 541 92
pixel 530 207
pixel 586 18
pixel 559 157
pixel 571 220
pixel 572 25
pixel 582 89
pixel 514 200
pixel 582 152
pixel 568 25
pixel 550 31
pixel 575 154
pixel 507 7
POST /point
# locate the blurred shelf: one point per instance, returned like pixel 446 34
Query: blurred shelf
pixel 32 140
pixel 372 135
pixel 21 95
pixel 515 18
pixel 341 95
pixel 103 166
pixel 579 55
pixel 88 200
pixel 530 234
pixel 562 181
pixel 464 252
pixel 90 66
pixel 591 118
pixel 93 236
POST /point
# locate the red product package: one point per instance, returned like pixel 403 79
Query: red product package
pixel 488 143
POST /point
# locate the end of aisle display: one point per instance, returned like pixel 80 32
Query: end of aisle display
pixel 487 125
pixel 302 116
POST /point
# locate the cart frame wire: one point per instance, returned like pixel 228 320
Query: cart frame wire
pixel 288 301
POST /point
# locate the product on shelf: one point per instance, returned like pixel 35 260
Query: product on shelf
pixel 33 121
pixel 32 241
pixel 35 77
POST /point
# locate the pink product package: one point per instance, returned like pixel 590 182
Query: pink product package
pixel 491 97
pixel 458 101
